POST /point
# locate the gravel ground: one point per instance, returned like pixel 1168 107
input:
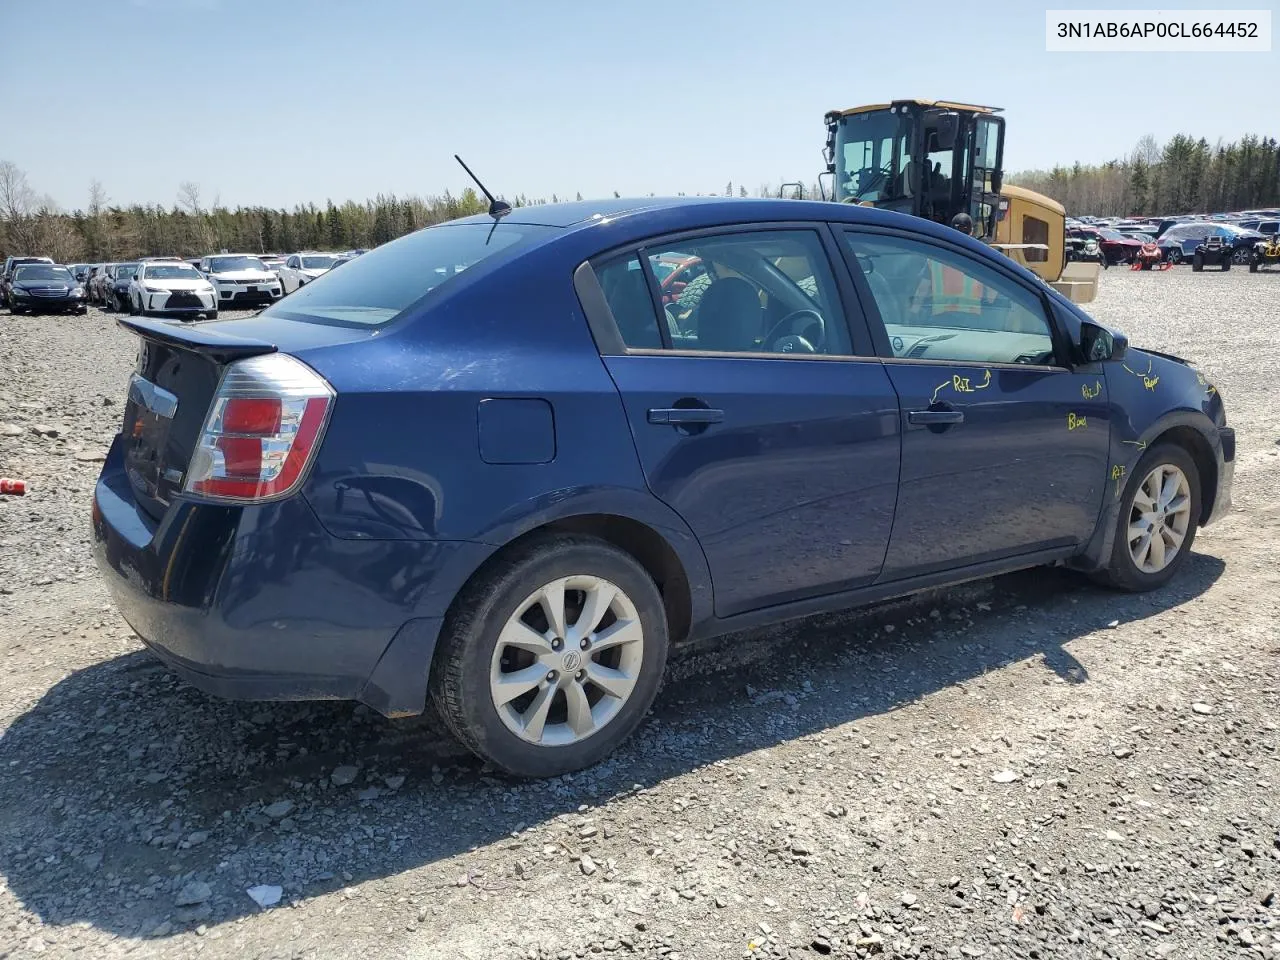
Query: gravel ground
pixel 1025 767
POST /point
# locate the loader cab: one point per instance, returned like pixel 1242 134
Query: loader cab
pixel 932 159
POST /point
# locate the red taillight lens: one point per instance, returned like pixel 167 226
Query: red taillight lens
pixel 252 415
pixel 262 431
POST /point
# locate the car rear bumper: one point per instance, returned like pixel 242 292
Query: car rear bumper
pixel 262 603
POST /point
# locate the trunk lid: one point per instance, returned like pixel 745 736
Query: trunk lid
pixel 172 387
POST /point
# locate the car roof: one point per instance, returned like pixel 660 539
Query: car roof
pixel 585 214
pixel 586 211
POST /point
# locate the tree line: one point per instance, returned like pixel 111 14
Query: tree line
pixel 1184 175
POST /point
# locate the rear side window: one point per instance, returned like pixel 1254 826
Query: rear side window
pixel 753 292
pixel 378 286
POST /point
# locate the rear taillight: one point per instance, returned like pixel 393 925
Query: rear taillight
pixel 262 431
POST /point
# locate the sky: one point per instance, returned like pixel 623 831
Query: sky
pixel 264 102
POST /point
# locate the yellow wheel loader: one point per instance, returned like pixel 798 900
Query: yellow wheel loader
pixel 936 159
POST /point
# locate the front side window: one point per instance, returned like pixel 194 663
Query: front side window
pixel 768 292
pixel 937 304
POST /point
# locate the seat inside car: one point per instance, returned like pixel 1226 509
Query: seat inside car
pixel 730 316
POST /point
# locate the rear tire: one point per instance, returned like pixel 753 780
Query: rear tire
pixel 1197 263
pixel 1226 264
pixel 1253 267
pixel 571 574
pixel 211 314
pixel 1124 572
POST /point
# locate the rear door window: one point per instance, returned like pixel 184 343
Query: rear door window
pixel 753 292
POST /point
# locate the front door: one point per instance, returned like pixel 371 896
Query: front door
pixel 751 416
pixel 1004 448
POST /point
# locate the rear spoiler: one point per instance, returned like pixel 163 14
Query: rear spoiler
pixel 223 347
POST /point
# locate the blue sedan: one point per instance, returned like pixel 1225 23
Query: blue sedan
pixel 506 464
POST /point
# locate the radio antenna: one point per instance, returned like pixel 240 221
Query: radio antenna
pixel 497 208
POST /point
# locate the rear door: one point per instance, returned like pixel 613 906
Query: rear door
pixel 756 416
pixel 1004 445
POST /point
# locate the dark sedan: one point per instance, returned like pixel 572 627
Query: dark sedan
pixel 45 288
pixel 485 466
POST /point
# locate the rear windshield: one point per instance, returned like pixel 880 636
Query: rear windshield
pixel 377 286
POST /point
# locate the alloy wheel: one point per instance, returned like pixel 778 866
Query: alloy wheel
pixel 1159 518
pixel 566 661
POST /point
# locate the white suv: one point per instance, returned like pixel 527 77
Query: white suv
pixel 240 279
pixel 301 268
pixel 171 287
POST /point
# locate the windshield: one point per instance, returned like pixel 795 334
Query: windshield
pixel 42 271
pixel 125 270
pixel 172 273
pixel 229 264
pixel 871 155
pixel 378 286
pixel 317 263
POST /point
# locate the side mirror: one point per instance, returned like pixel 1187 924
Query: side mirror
pixel 1098 344
pixel 997 180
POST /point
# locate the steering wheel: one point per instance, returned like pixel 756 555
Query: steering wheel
pixel 869 178
pixel 798 325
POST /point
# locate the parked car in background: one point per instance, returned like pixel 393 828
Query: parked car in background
pixel 172 288
pixel 241 279
pixel 1179 243
pixel 1268 228
pixel 10 265
pixel 476 467
pixel 98 285
pixel 44 288
pixel 80 271
pixel 301 268
pixel 117 287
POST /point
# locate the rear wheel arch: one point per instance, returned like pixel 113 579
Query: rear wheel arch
pixel 639 540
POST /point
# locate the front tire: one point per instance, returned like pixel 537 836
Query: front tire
pixel 1156 522
pixel 552 656
pixel 1197 263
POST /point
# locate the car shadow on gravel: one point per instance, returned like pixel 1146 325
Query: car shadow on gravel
pixel 123 791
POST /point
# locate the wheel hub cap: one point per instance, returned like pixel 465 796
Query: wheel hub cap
pixel 566 661
pixel 1159 518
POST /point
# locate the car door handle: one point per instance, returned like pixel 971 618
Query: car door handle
pixel 930 417
pixel 686 415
